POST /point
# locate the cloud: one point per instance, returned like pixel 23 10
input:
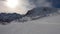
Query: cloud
pixel 24 6
pixel 40 3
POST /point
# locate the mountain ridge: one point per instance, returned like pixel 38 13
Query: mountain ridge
pixel 34 14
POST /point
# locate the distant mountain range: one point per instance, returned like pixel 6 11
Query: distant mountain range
pixel 33 14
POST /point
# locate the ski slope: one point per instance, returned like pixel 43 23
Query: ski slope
pixel 46 25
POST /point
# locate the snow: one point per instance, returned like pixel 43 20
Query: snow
pixel 46 25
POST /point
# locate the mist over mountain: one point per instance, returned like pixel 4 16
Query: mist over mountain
pixel 33 14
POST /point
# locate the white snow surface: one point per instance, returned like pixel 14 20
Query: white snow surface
pixel 46 25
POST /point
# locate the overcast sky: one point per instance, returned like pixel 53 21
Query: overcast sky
pixel 25 5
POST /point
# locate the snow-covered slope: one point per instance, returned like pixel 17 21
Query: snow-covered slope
pixel 46 25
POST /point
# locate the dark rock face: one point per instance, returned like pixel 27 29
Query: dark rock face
pixel 7 18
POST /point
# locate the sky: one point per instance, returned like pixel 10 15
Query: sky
pixel 25 5
pixel 55 3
